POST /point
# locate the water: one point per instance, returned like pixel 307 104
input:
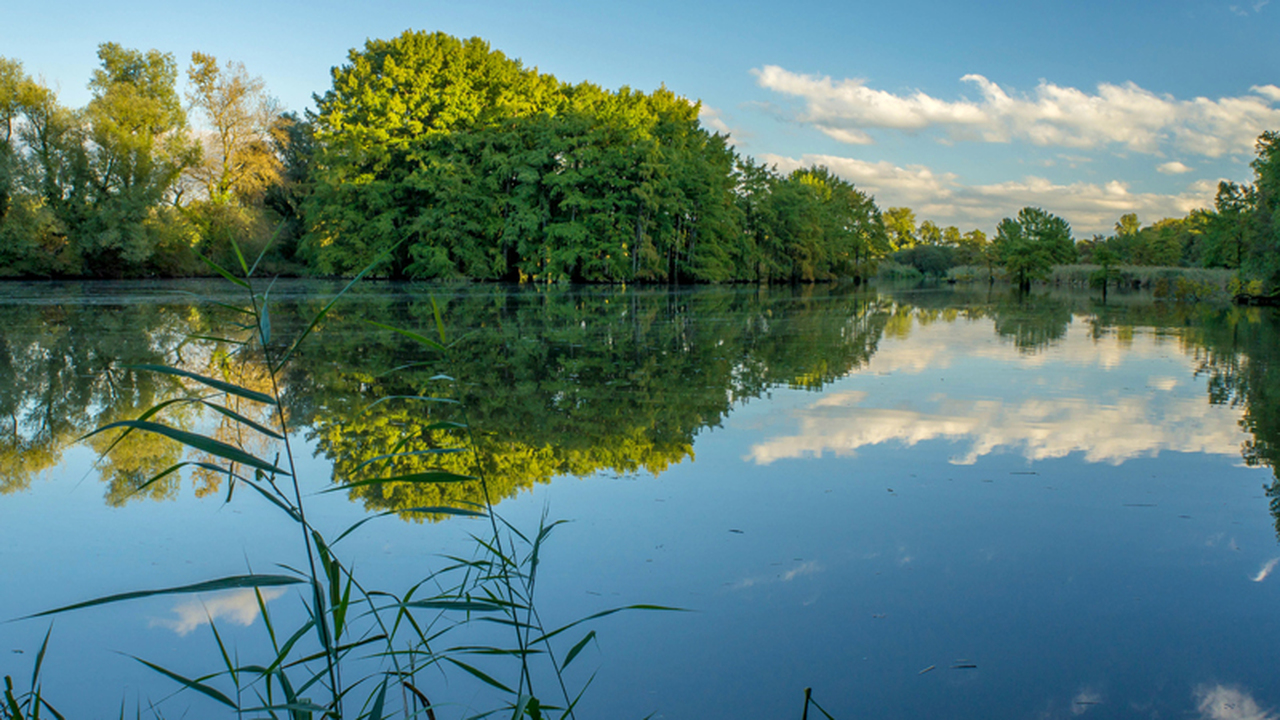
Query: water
pixel 919 503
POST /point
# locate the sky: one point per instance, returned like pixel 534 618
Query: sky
pixel 963 111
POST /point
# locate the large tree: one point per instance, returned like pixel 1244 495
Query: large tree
pixel 239 158
pixel 1031 244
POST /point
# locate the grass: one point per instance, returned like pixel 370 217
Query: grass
pixel 349 628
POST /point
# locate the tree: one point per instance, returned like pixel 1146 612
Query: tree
pixel 900 222
pixel 138 148
pixel 239 159
pixel 1030 245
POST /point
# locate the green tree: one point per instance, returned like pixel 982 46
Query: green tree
pixel 1030 245
pixel 139 147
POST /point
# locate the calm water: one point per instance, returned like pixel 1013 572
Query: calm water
pixel 920 503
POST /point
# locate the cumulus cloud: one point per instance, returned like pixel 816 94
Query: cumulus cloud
pixel 713 119
pixel 1125 115
pixel 239 606
pixel 1173 168
pixel 940 196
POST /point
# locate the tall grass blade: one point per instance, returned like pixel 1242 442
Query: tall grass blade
pixel 35 672
pixel 232 414
pixel 466 605
pixel 435 510
pixel 223 272
pixel 325 311
pixel 441 476
pixel 192 684
pixel 227 583
pixel 244 266
pixel 604 613
pixel 481 675
pixel 199 442
pixel 214 383
pixel 376 712
pixel 577 648
pixel 416 337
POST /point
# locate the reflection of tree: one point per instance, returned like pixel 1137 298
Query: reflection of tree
pixel 61 375
pixel 1239 357
pixel 569 381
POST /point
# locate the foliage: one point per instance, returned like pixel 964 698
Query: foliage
pixel 1030 245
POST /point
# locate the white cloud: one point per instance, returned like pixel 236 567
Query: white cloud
pixel 1226 703
pixel 240 607
pixel 710 117
pixel 1125 115
pixel 1173 168
pixel 939 196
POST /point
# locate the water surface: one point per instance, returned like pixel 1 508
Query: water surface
pixel 920 503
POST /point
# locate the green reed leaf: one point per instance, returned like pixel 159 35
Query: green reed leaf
pixel 224 386
pixel 199 442
pixel 423 477
pixel 481 675
pixel 228 412
pixel 191 684
pixel 223 272
pixel 227 583
pixel 577 648
pixel 416 337
pixel 461 605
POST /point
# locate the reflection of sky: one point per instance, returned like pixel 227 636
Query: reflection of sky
pixel 237 606
pixel 1109 399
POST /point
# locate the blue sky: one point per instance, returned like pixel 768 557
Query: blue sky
pixel 964 111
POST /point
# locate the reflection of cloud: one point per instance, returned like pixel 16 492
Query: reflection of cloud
pixel 807 568
pixel 1163 383
pixel 238 606
pixel 1041 428
pixel 1266 569
pixel 1084 701
pixel 1226 703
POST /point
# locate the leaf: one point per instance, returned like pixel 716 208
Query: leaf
pixel 604 613
pixel 192 684
pixel 467 605
pixel 325 311
pixel 416 337
pixel 226 387
pixel 573 651
pixel 376 712
pixel 424 477
pixel 481 675
pixel 228 412
pixel 219 269
pixel 389 456
pixel 199 442
pixel 227 583
pixel 244 266
pixel 440 510
pixel 35 673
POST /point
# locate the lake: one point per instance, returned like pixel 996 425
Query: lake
pixel 920 503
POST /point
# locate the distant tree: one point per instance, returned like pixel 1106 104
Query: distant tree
pixel 900 222
pixel 1030 245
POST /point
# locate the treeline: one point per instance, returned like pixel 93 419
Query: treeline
pixel 437 157
pixel 1241 232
